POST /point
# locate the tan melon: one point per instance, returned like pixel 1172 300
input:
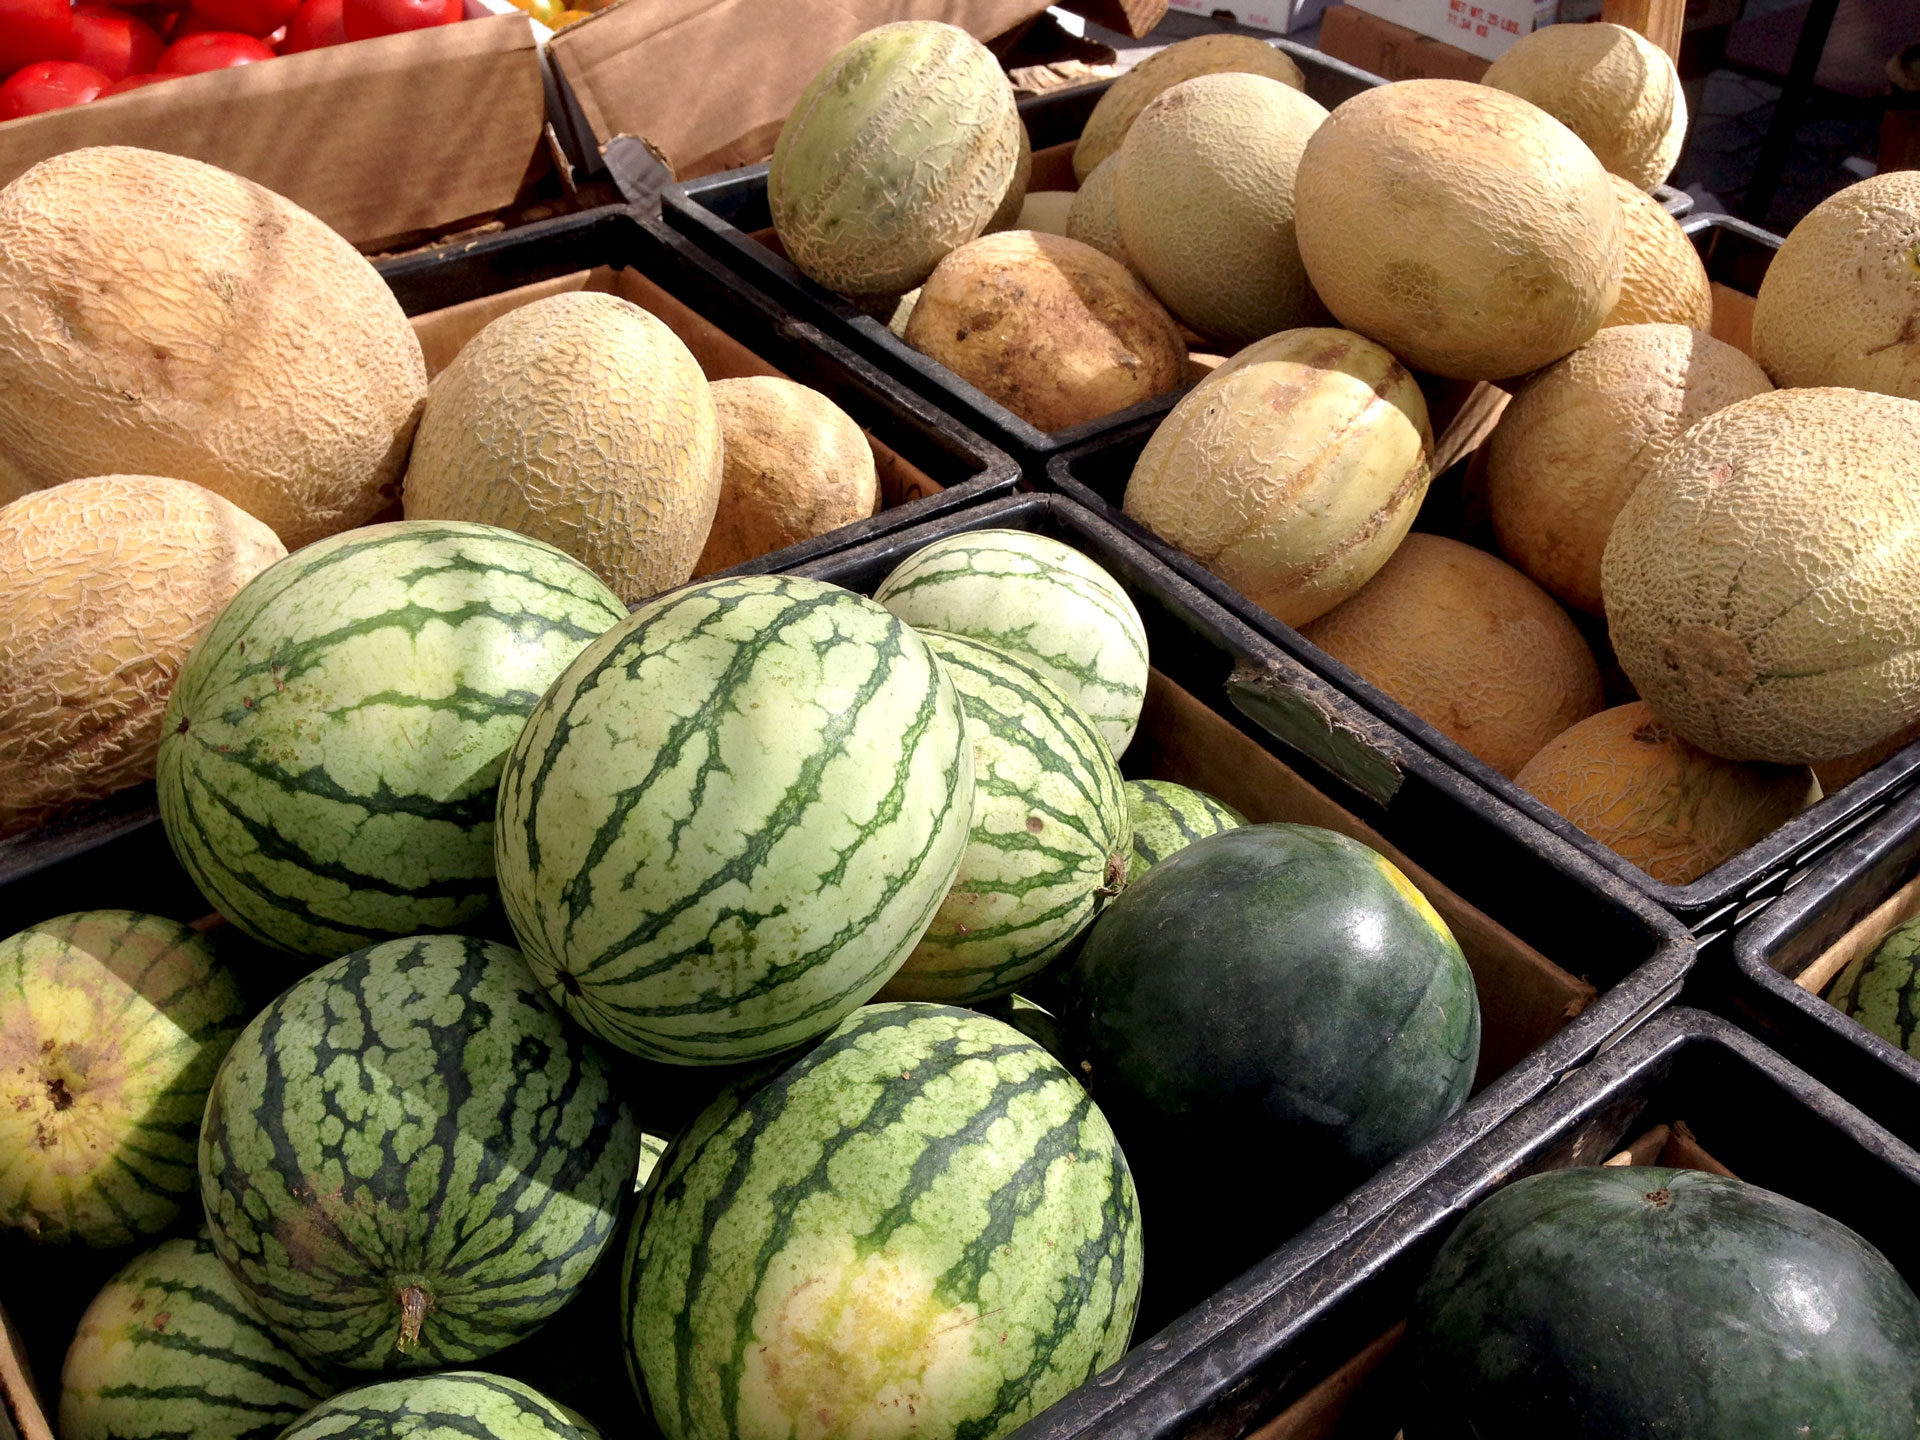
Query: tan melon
pixel 1134 91
pixel 159 316
pixel 1008 214
pixel 1840 304
pixel 1663 280
pixel 583 421
pixel 1092 219
pixel 105 583
pixel 1763 581
pixel 1579 435
pixel 1470 645
pixel 1466 230
pixel 796 466
pixel 1292 471
pixel 1051 328
pixel 1630 782
pixel 1611 86
pixel 1837 774
pixel 1046 211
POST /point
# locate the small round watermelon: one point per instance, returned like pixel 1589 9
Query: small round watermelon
pixel 1618 1302
pixel 410 1160
pixel 455 1405
pixel 1167 817
pixel 1882 990
pixel 921 1228
pixel 331 751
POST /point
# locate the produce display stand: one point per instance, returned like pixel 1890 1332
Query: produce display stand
pixel 1312 1355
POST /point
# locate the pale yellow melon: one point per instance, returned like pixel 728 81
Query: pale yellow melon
pixel 1840 304
pixel 105 583
pixel 1092 219
pixel 159 316
pixel 1611 86
pixel 1134 91
pixel 1663 280
pixel 1466 230
pixel 1045 210
pixel 1292 470
pixel 583 421
pixel 1470 645
pixel 1579 435
pixel 1763 581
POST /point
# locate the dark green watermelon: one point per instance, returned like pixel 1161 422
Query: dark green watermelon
pixel 1617 1303
pixel 1882 990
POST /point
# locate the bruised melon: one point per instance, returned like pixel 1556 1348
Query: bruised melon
pixel 1663 280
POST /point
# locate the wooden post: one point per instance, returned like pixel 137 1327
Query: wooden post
pixel 1659 20
pixel 1129 17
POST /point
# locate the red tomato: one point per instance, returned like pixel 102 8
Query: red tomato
pixel 366 19
pixel 247 17
pixel 32 30
pixel 314 24
pixel 211 50
pixel 114 44
pixel 133 82
pixel 49 85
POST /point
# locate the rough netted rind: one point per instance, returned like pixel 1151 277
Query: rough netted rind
pixel 733 817
pixel 170 1348
pixel 455 1405
pixel 924 1228
pixel 112 1024
pixel 1050 833
pixel 414 1117
pixel 1041 600
pixel 1879 989
pixel 1092 219
pixel 159 316
pixel 1762 583
pixel 1167 818
pixel 900 149
pixel 1663 280
pixel 331 751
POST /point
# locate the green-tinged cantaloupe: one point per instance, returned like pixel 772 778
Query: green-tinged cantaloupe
pixel 1663 280
pixel 1611 86
pixel 1580 434
pixel 1092 219
pixel 1466 230
pixel 1292 471
pixel 1763 581
pixel 899 150
pixel 583 421
pixel 1630 782
pixel 1046 211
pixel 161 317
pixel 1134 91
pixel 1840 304
pixel 105 584
pixel 1205 204
pixel 1470 645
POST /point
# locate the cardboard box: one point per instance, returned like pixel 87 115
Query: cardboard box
pixel 1384 48
pixel 1485 28
pixel 1282 17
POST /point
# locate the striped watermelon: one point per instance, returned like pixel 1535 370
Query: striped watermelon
pixel 1882 990
pixel 1039 599
pixel 332 748
pixel 112 1024
pixel 1049 841
pixel 1167 817
pixel 922 1228
pixel 732 818
pixel 170 1348
pixel 456 1405
pixel 409 1160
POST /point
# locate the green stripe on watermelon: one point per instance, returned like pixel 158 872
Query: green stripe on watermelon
pixel 332 749
pixel 1167 818
pixel 410 1160
pixel 456 1405
pixel 733 817
pixel 1882 990
pixel 1037 598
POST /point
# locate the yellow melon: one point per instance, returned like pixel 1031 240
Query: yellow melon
pixel 1045 210
pixel 1663 280
pixel 1092 219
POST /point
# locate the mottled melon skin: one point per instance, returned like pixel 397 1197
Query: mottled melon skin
pixel 1092 218
pixel 105 583
pixel 1466 230
pixel 1840 304
pixel 161 317
pixel 1580 434
pixel 1663 280
pixel 901 148
pixel 1205 204
pixel 1611 86
pixel 583 421
pixel 1762 583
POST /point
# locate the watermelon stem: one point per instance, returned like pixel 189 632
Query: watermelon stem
pixel 414 1304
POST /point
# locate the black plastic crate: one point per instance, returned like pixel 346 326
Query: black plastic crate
pixel 1317 1323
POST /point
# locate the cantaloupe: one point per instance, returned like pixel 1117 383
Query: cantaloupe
pixel 1007 216
pixel 159 316
pixel 1663 280
pixel 899 150
pixel 1579 435
pixel 1840 304
pixel 583 421
pixel 105 583
pixel 1630 782
pixel 1466 230
pixel 1470 645
pixel 1051 328
pixel 1292 471
pixel 1134 91
pixel 1204 200
pixel 796 466
pixel 1092 219
pixel 1045 210
pixel 1611 86
pixel 1762 583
